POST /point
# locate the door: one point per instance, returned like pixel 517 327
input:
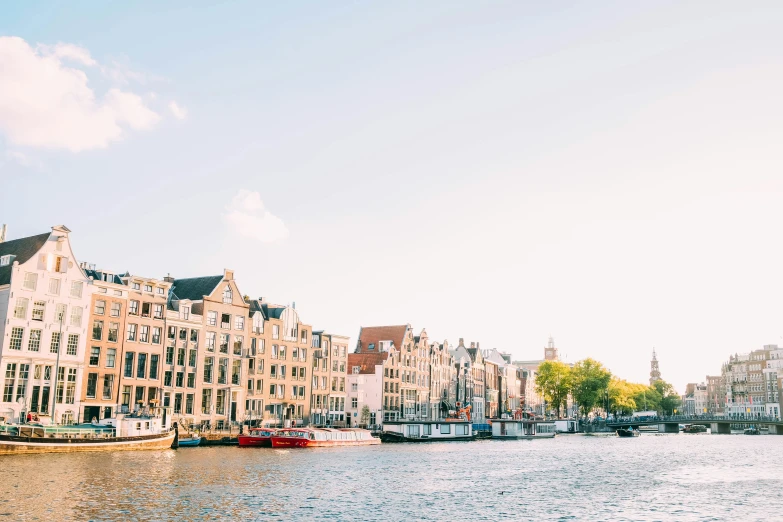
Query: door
pixel 92 412
pixel 45 400
pixel 35 398
pixel 233 412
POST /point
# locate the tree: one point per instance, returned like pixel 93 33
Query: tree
pixel 553 381
pixel 621 396
pixel 589 380
pixel 670 400
pixel 364 419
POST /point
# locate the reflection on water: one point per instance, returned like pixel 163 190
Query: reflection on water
pixel 653 477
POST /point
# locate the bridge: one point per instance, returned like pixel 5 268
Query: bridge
pixel 719 425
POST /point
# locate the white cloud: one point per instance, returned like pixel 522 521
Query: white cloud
pixel 247 217
pixel 45 103
pixel 23 159
pixel 179 112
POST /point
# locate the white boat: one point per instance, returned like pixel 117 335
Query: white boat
pixel 522 429
pixel 427 431
pixel 117 434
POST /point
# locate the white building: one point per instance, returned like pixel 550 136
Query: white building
pixel 365 388
pixel 44 308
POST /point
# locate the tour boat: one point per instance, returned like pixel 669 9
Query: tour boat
pixel 630 432
pixel 322 437
pixel 258 437
pixel 694 428
pixel 522 429
pixel 118 434
pixel 752 431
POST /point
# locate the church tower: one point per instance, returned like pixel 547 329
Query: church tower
pixel 655 373
pixel 550 352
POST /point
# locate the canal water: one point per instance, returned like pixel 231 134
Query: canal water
pixel 572 477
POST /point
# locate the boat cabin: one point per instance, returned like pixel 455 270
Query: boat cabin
pixel 428 430
pixel 522 429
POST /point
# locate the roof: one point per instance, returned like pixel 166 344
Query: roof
pixel 195 288
pixel 272 311
pixel 375 334
pixel 23 248
pixel 366 361
pixel 256 306
pixel 97 276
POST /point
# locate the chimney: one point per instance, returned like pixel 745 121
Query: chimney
pixel 168 278
pixel 477 345
pixel 3 232
pixel 261 300
pixel 461 342
pixel 472 345
pixel 228 274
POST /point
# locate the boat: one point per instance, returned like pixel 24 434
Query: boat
pixel 630 432
pixel 123 433
pixel 257 438
pixel 694 428
pixel 522 429
pixel 751 431
pixel 192 440
pixel 322 437
pixel 428 431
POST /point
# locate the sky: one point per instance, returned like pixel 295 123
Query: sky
pixel 605 173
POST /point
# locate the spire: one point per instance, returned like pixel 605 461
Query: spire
pixel 655 373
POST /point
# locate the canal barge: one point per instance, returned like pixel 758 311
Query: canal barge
pixel 117 434
pixel 630 432
pixel 257 438
pixel 322 438
pixel 694 428
pixel 522 429
pixel 427 431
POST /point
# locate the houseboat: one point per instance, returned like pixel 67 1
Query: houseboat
pixel 630 432
pixel 322 437
pixel 694 428
pixel 257 438
pixel 522 429
pixel 116 434
pixel 427 431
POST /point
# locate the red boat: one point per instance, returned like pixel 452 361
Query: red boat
pixel 258 437
pixel 322 437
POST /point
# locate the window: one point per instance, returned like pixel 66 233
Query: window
pixel 181 357
pixel 183 334
pixel 145 309
pixel 169 355
pixel 294 353
pixel 211 341
pixel 116 308
pixel 16 338
pixel 133 308
pixel 34 343
pixel 20 310
pixel 211 318
pixel 76 289
pixel 97 330
pixel 185 312
pixel 261 346
pixel 126 397
pixel 92 384
pixel 148 288
pixel 354 403
pixel 95 355
pixel 144 334
pixel 224 343
pixel 167 378
pixel 114 331
pixel 100 307
pixel 223 371
pixel 208 363
pixel 39 309
pixel 54 347
pixel 227 295
pixel 220 402
pixel 30 281
pixel 76 316
pixel 59 313
pixel 191 380
pixel 172 332
pixel 180 379
pixel 5 260
pixel 141 366
pixel 304 336
pixel 303 354
pixel 136 286
pixel 73 343
pixel 258 323
pixel 132 331
pixel 194 336
pixel 111 355
pixel 108 385
pixel 54 286
pixel 238 340
pixel 118 293
pixel 10 376
pixel 239 322
pixel 189 404
pixel 192 358
pixel 128 370
pixel 275 331
pixel 206 401
pixel 281 353
pixel 156 334
pixel 236 368
pixel 275 349
pixel 225 321
pixel 160 290
pixel 158 311
pixel 154 360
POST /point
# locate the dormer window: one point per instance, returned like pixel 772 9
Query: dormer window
pixel 356 370
pixel 5 260
pixel 371 347
pixel 228 295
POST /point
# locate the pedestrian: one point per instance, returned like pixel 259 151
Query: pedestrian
pixel 29 417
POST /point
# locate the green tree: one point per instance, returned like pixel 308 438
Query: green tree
pixel 670 399
pixel 364 419
pixel 553 381
pixel 621 396
pixel 589 380
pixel 647 398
